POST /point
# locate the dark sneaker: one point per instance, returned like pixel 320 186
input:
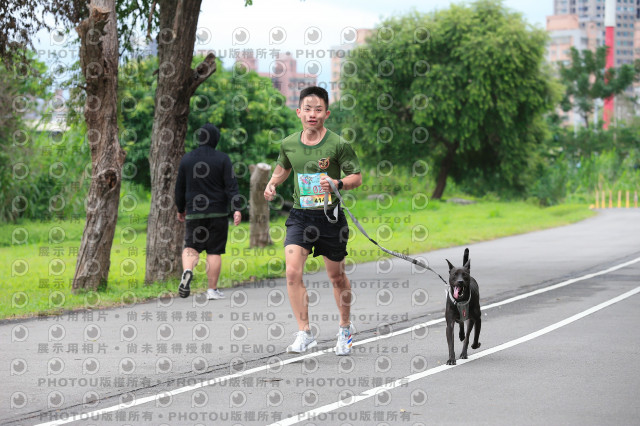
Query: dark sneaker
pixel 184 290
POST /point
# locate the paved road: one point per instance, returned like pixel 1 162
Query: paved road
pixel 558 346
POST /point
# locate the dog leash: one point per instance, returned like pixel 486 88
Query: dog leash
pixel 355 221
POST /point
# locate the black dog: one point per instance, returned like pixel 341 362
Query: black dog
pixel 463 303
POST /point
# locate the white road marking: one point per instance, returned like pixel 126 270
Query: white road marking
pixel 313 414
pixel 222 379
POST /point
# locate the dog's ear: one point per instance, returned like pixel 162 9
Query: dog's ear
pixel 450 265
pixel 467 266
pixel 466 256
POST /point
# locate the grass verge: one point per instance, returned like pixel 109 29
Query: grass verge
pixel 39 258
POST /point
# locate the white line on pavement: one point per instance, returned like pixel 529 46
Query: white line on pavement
pixel 222 379
pixel 315 413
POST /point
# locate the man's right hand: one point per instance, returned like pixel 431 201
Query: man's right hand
pixel 270 192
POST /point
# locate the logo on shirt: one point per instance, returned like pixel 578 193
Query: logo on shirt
pixel 323 163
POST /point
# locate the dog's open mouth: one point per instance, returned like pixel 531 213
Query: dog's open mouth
pixel 457 291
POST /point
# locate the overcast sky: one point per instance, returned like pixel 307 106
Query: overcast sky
pixel 317 26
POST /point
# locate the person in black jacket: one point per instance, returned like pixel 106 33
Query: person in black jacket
pixel 205 187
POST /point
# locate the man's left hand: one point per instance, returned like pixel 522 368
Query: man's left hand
pixel 325 185
pixel 237 217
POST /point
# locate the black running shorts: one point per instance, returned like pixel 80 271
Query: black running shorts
pixel 208 234
pixel 311 229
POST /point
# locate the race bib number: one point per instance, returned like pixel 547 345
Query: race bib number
pixel 311 194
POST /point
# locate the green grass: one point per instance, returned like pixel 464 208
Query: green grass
pixel 397 223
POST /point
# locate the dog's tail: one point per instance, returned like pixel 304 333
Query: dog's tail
pixel 465 258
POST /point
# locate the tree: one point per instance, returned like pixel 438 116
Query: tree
pixel 177 82
pixel 20 20
pixel 99 64
pixel 586 80
pixel 259 207
pixel 463 89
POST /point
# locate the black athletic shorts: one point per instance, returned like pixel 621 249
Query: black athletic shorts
pixel 208 234
pixel 311 229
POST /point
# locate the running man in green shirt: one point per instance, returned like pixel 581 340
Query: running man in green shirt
pixel 315 155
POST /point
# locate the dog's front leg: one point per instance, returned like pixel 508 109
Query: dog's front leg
pixel 463 354
pixel 476 336
pixel 452 355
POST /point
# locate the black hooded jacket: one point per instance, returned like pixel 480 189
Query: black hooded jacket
pixel 206 183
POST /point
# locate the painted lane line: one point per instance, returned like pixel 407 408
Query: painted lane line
pixel 313 414
pixel 166 394
pixel 563 284
pixel 280 363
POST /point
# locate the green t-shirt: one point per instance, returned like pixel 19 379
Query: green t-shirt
pixel 310 163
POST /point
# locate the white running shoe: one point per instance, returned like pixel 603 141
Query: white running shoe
pixel 304 340
pixel 214 294
pixel 345 340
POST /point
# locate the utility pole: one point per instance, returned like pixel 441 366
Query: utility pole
pixel 609 41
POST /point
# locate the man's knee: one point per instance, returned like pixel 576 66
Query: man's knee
pixel 294 274
pixel 339 280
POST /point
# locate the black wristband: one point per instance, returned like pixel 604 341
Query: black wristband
pixel 340 184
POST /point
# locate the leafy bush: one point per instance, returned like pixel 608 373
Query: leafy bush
pixel 24 93
pixel 551 185
pixel 576 164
